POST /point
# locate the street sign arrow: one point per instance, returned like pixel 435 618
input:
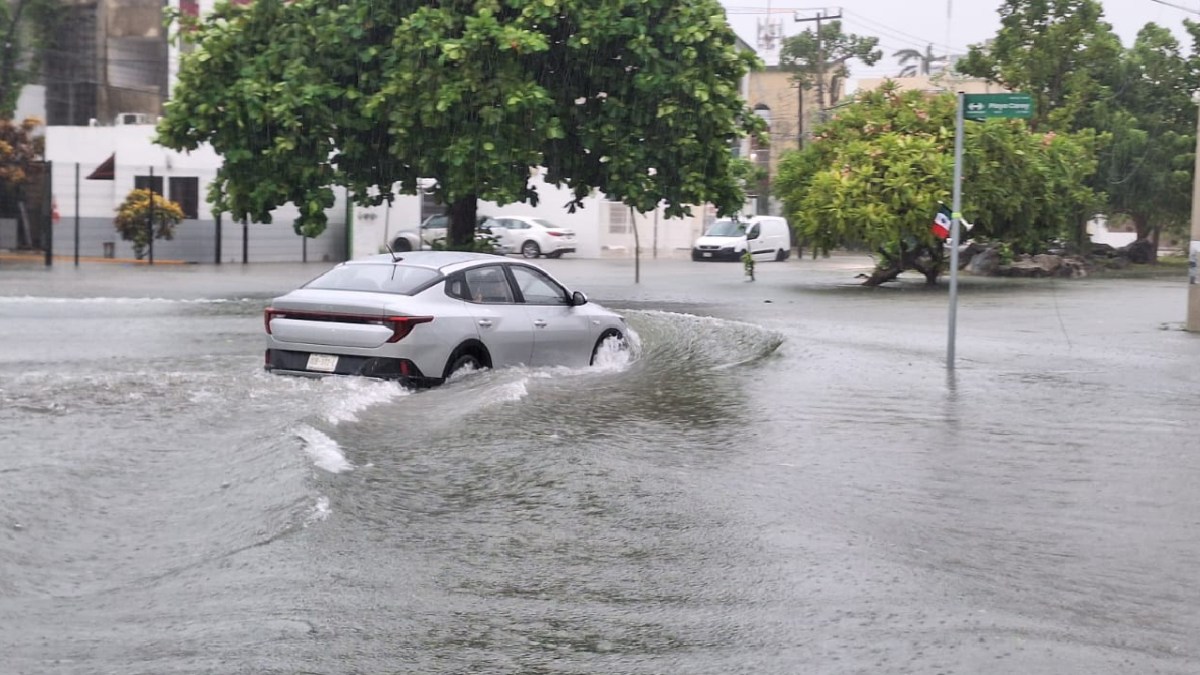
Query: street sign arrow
pixel 985 106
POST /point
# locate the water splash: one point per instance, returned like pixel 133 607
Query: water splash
pixel 324 451
pixel 319 512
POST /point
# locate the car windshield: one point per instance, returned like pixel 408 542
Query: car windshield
pixel 381 277
pixel 435 222
pixel 727 228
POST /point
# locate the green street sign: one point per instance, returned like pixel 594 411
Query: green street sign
pixel 986 106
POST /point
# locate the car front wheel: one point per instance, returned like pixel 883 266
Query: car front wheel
pixel 621 344
pixel 530 249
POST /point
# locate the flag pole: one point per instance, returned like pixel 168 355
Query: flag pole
pixel 955 218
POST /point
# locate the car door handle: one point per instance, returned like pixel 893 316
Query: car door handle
pixel 486 323
pixel 539 323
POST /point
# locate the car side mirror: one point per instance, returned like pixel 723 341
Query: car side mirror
pixel 578 298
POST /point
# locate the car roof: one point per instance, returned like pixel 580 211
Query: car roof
pixel 436 260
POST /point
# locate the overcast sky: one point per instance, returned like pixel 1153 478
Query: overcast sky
pixel 903 24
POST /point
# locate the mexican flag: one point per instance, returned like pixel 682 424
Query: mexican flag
pixel 941 222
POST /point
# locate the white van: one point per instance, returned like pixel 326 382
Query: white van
pixel 767 237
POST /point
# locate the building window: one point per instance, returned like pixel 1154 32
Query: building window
pixel 185 191
pixel 618 218
pixel 144 183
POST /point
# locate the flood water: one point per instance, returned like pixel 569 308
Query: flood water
pixel 783 478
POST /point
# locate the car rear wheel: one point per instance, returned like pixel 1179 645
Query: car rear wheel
pixel 530 249
pixel 462 362
pixel 401 245
pixel 781 255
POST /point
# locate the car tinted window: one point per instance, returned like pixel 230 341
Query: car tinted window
pixel 382 277
pixel 488 284
pixel 537 288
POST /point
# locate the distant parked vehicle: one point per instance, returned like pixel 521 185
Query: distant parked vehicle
pixel 433 231
pixel 766 237
pixel 533 237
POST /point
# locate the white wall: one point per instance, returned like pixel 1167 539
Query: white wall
pixel 136 154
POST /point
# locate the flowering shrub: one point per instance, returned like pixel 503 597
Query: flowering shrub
pixel 133 219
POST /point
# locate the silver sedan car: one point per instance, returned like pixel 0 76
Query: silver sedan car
pixel 421 316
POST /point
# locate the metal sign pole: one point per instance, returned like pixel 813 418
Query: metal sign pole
pixel 955 218
pixel 77 214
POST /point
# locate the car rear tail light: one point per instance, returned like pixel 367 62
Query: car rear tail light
pixel 269 314
pixel 555 234
pixel 403 325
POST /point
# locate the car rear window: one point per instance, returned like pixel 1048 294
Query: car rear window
pixel 381 277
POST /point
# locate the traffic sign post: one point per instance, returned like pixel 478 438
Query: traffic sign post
pixel 1007 106
pixel 976 107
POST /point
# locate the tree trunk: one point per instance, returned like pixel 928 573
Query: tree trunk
pixel 1147 231
pixel 883 274
pixel 889 268
pixel 461 234
pixel 1141 224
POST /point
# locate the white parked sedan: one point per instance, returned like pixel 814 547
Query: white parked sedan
pixel 421 316
pixel 532 237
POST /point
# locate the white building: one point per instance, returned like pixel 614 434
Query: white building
pixel 95 168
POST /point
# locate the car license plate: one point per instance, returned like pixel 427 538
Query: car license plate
pixel 323 363
pixel 708 254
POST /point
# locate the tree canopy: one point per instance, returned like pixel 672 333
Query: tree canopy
pixel 821 56
pixel 1061 52
pixel 875 174
pixel 134 216
pixel 1146 167
pixel 915 62
pixel 637 98
pixel 1136 99
pixel 24 27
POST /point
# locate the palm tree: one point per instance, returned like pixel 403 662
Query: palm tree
pixel 922 63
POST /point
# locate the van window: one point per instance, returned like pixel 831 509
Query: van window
pixel 755 231
pixel 726 227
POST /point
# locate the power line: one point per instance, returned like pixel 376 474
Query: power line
pixel 1179 7
pixel 901 35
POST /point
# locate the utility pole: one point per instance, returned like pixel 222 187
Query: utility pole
pixel 822 15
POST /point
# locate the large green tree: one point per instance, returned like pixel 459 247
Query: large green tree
pixel 1146 169
pixel 1137 100
pixel 636 98
pixel 875 174
pixel 1062 52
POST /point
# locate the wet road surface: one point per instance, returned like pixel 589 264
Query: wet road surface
pixel 784 479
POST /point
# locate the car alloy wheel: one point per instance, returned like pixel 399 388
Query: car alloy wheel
pixel 530 249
